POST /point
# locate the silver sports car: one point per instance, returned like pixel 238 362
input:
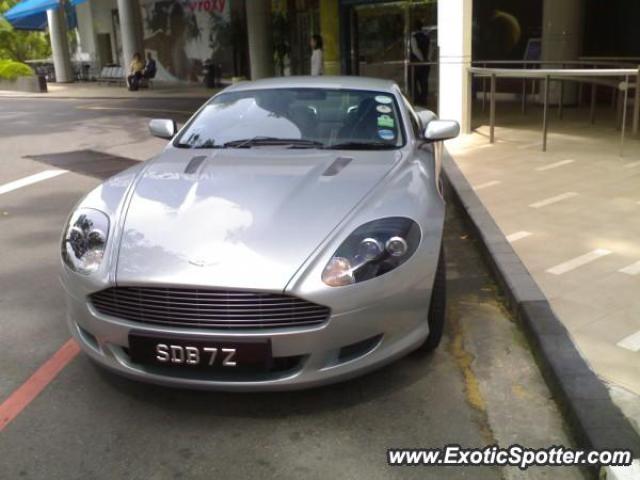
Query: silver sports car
pixel 288 236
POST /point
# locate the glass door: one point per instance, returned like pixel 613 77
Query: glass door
pixel 396 41
pixel 378 41
pixel 423 53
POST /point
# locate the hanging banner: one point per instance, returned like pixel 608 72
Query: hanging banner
pixel 184 34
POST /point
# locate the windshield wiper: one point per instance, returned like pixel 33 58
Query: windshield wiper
pixel 361 146
pixel 265 141
pixel 206 144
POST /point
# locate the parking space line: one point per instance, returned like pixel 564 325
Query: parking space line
pixel 578 261
pixel 29 390
pixel 514 237
pixel 487 185
pixel 30 180
pixel 549 201
pixel 632 342
pixel 555 165
pixel 633 269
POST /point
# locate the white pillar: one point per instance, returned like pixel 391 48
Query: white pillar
pixel 60 45
pixel 260 39
pixel 454 43
pixel 130 30
pixel 562 29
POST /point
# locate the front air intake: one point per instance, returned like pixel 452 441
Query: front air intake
pixel 204 308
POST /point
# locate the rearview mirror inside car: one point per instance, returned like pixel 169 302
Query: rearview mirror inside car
pixel 163 128
pixel 438 130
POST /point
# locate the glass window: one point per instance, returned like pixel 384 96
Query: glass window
pixel 301 117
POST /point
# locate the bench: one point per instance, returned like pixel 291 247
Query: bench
pixel 112 74
pixel 146 82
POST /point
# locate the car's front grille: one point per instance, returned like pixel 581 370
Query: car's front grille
pixel 203 308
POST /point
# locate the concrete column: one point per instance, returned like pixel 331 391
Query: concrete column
pixel 130 29
pixel 330 32
pixel 86 31
pixel 260 38
pixel 60 45
pixel 454 43
pixel 562 30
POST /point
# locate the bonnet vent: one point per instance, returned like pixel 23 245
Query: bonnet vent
pixel 194 164
pixel 337 166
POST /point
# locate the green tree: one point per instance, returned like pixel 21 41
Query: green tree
pixel 21 45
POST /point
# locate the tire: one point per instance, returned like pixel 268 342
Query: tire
pixel 437 306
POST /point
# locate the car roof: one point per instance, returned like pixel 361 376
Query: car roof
pixel 324 81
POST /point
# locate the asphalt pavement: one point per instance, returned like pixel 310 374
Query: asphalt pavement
pixel 481 387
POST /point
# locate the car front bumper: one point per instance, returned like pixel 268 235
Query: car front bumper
pixel 347 345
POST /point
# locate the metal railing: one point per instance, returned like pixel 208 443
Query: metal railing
pixel 594 76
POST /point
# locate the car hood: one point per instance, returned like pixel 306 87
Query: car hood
pixel 239 218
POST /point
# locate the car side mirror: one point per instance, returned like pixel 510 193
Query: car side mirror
pixel 438 130
pixel 163 128
pixel 425 116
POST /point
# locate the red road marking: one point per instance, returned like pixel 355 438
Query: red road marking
pixel 29 390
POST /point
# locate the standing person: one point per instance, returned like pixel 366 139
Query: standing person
pixel 317 58
pixel 136 68
pixel 420 53
pixel 150 68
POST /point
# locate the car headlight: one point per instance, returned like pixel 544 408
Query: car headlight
pixel 373 249
pixel 85 240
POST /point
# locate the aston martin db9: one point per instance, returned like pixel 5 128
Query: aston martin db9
pixel 288 236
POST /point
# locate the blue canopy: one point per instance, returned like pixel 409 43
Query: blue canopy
pixel 32 14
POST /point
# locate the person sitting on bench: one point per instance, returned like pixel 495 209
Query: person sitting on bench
pixel 136 68
pixel 150 68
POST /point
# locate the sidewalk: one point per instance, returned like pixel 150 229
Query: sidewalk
pixel 573 216
pixel 101 90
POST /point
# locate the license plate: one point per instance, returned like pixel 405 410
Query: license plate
pixel 188 352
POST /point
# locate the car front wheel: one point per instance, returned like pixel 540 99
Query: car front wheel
pixel 438 306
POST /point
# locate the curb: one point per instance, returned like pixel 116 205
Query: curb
pixel 595 421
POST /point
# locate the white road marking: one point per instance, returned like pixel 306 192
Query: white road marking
pixel 554 165
pixel 633 269
pixel 514 237
pixel 557 198
pixel 30 180
pixel 632 472
pixel 578 261
pixel 632 342
pixel 631 164
pixel 487 185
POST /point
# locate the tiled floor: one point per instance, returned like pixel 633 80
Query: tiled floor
pixel 579 204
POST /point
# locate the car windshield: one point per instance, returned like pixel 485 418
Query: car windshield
pixel 297 118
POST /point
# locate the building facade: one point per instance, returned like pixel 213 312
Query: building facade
pixel 424 45
pixel 259 38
